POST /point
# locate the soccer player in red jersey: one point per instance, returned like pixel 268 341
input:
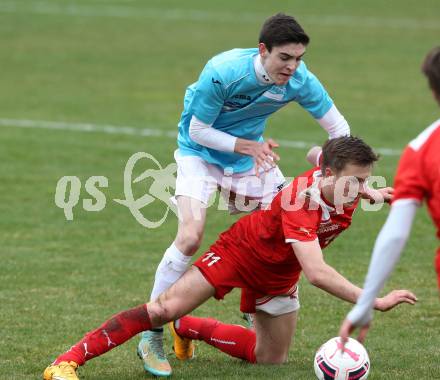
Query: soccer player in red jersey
pixel 417 180
pixel 263 253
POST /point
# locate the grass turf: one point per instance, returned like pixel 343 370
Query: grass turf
pixel 128 63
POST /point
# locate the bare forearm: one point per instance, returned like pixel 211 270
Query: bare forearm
pixel 332 282
pixel 244 146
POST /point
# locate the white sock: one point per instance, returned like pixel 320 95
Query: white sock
pixel 172 266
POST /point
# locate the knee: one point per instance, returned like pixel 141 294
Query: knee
pixel 160 313
pixel 189 239
pixel 266 357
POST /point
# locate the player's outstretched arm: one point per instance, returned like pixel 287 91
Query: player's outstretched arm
pixel 386 303
pixel 385 194
pixel 347 329
pixel 386 253
pixel 322 275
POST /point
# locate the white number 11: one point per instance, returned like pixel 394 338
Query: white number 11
pixel 211 256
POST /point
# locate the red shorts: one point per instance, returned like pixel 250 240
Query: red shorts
pixel 220 272
pixel 225 271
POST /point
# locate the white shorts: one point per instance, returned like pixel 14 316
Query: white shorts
pixel 198 179
pixel 279 305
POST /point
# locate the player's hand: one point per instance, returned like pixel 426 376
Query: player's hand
pixel 387 193
pixel 347 329
pixel 264 156
pixel 314 156
pixel 395 298
pixel 384 194
pixel 263 153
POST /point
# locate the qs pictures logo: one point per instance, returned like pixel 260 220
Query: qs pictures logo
pixel 156 184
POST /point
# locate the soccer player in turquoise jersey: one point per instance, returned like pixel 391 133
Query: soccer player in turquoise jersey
pixel 220 143
pixel 235 97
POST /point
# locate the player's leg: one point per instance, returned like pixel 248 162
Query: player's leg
pixel 191 224
pixel 194 186
pixel 234 340
pixel 196 182
pixel 274 335
pixel 268 344
pixel 189 292
pixel 192 215
pixel 275 322
pixel 183 297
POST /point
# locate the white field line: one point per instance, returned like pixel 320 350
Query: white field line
pixel 144 132
pixel 87 127
pixel 180 14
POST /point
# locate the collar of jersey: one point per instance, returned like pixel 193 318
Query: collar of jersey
pixel 261 73
pixel 314 193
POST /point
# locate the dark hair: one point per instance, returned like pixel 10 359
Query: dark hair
pixel 282 29
pixel 431 68
pixel 338 152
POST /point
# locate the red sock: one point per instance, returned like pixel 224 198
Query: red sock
pixel 110 334
pixel 235 340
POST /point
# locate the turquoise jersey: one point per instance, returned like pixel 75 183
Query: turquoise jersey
pixel 229 96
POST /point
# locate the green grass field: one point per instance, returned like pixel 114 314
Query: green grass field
pixel 127 63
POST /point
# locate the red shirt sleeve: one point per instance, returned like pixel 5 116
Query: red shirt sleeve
pixel 301 225
pixel 410 182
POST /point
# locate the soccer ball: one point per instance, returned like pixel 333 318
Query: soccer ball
pixel 331 363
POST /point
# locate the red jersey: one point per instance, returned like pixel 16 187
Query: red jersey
pixel 418 175
pixel 260 243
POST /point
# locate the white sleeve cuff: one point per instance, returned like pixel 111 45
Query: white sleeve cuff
pixel 205 135
pixel 318 158
pixel 293 241
pixel 334 123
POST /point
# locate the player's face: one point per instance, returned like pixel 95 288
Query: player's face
pixel 347 185
pixel 282 61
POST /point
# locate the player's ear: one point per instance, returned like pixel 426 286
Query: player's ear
pixel 263 49
pixel 328 172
